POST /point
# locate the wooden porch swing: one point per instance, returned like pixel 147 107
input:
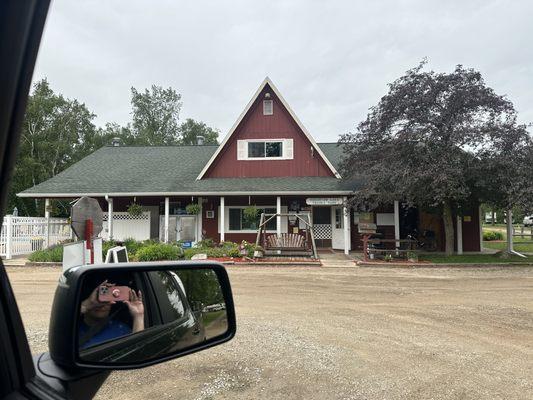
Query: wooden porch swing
pixel 286 244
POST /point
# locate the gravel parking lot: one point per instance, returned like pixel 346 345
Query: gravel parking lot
pixel 358 333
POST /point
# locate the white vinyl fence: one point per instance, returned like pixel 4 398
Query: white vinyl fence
pixel 24 235
pixel 127 226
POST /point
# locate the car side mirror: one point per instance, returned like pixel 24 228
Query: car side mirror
pixel 131 315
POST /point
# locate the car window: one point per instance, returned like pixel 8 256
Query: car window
pixel 169 296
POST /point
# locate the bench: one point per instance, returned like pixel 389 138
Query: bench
pixel 286 241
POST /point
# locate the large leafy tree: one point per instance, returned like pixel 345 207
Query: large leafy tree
pixel 438 140
pixel 191 130
pixel 56 133
pixel 155 116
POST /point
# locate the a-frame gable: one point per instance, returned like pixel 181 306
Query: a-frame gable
pixel 324 165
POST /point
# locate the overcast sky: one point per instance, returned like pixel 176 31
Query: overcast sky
pixel 331 60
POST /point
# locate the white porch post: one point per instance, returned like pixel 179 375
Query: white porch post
pixel 200 216
pixel 222 218
pixel 167 218
pixel 109 219
pixel 47 226
pixel 459 235
pixel 397 223
pixel 346 217
pixel 510 248
pixel 278 217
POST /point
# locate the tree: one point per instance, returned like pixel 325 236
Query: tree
pixel 434 140
pixel 155 116
pixel 190 130
pixel 56 133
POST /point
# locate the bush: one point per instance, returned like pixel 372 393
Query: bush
pixel 133 246
pixel 206 243
pixel 159 252
pixel 492 235
pixel 226 249
pixel 52 254
pixel 106 245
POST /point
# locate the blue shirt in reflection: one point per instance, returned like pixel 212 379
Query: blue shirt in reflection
pixel 113 330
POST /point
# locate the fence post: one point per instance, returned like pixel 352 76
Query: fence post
pixel 47 223
pixel 9 234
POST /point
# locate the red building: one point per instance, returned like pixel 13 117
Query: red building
pixel 268 160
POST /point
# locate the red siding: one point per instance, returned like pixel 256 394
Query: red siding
pixel 280 125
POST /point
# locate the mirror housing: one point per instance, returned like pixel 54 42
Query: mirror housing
pixel 63 332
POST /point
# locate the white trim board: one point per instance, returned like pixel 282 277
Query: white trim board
pixel 176 194
pixel 267 81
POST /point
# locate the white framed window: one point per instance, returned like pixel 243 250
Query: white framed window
pixel 237 221
pixel 268 107
pixel 265 149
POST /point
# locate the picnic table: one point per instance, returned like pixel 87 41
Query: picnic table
pixel 397 250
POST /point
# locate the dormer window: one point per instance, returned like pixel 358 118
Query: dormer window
pixel 268 107
pixel 265 149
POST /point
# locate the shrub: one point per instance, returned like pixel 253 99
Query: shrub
pixel 52 254
pixel 206 243
pixel 226 249
pixel 159 252
pixel 133 246
pixel 492 235
pixel 106 245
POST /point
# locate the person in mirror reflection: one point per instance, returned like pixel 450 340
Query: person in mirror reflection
pixel 97 325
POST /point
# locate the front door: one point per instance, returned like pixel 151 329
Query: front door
pixel 337 228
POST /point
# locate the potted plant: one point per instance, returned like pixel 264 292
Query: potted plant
pixel 134 209
pixel 193 208
pixel 412 256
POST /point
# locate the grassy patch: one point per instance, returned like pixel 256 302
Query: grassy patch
pixel 52 254
pixel 520 246
pixel 473 259
pixel 211 316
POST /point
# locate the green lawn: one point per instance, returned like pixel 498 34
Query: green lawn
pixel 520 244
pixel 473 259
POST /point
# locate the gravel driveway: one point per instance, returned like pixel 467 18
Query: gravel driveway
pixel 359 333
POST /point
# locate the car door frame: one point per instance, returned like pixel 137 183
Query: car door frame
pixel 23 23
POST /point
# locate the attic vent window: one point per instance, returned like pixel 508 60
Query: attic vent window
pixel 268 107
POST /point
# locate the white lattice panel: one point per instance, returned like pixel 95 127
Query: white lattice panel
pixel 322 231
pixel 128 226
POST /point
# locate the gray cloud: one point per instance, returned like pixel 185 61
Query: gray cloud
pixel 331 60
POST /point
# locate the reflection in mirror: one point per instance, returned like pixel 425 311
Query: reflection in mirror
pixel 135 316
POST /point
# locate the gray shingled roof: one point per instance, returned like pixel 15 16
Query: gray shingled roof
pixel 171 169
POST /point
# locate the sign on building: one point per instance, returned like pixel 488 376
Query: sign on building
pixel 324 201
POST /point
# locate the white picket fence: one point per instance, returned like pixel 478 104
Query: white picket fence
pixel 24 235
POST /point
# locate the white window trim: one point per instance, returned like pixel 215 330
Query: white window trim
pixel 287 149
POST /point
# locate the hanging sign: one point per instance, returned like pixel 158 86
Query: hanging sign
pixel 324 201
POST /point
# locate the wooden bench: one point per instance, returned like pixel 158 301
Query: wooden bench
pixel 286 241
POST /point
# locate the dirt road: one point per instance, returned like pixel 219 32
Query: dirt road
pixel 356 333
